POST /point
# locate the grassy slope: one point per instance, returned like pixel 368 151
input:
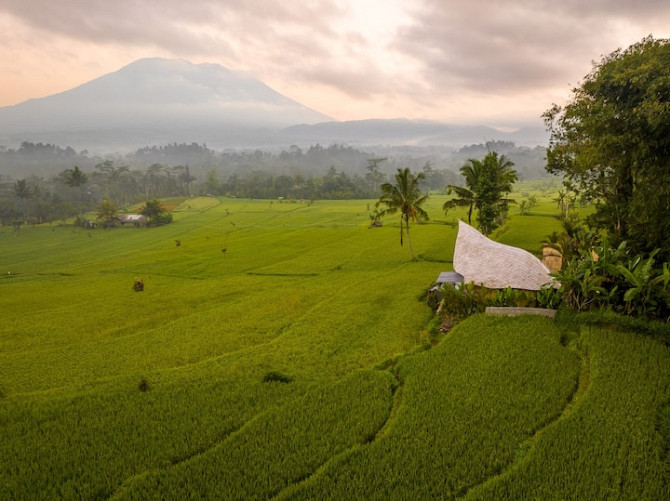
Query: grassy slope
pixel 308 291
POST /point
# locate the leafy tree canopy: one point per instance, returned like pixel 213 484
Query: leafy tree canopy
pixel 107 212
pixel 612 142
pixel 152 208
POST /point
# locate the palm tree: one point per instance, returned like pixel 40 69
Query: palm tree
pixel 486 183
pixel 506 176
pixel 467 197
pixel 75 178
pixel 373 175
pixel 23 192
pixel 404 196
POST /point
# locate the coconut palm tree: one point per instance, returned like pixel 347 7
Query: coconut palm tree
pixel 406 197
pixel 505 175
pixel 75 178
pixel 23 192
pixel 467 196
pixel 486 183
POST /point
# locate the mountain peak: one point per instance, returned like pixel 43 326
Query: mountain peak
pixel 159 95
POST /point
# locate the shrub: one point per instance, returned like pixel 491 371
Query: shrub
pixel 163 218
pixel 548 297
pixel 463 300
pixel 513 297
pixel 600 276
pixel 144 384
pixel 276 377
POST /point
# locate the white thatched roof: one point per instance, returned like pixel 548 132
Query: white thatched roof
pixel 132 218
pixel 495 265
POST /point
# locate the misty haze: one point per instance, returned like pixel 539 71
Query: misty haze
pixel 347 250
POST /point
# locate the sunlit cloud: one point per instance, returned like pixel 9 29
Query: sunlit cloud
pixel 459 61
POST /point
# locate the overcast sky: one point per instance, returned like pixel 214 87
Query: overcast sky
pixel 495 62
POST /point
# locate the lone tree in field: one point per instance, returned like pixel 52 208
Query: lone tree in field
pixel 106 212
pixel 612 141
pixel 487 182
pixel 406 197
pixel 153 210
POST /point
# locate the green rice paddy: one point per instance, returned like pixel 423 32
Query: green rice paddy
pixel 281 351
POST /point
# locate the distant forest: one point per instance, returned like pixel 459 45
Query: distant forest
pixel 45 182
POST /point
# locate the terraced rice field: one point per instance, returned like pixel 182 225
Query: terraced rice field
pixel 281 351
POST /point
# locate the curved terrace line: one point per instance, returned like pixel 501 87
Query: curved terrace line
pixel 524 449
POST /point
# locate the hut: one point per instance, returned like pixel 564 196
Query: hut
pixel 446 277
pixel 496 266
pixel 132 220
pixel 449 277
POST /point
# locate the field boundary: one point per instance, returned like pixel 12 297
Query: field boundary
pixel 513 311
pixel 525 447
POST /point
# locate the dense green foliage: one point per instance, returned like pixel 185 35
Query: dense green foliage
pixel 49 192
pixel 281 349
pixel 155 213
pixel 599 276
pixel 612 142
pixel 106 213
pixel 454 303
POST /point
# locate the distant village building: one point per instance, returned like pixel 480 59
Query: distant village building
pixel 132 220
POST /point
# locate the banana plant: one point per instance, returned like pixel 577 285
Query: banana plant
pixel 644 286
pixel 581 285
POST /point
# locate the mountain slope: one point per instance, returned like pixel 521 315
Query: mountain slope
pixel 161 101
pixel 403 132
pixel 155 97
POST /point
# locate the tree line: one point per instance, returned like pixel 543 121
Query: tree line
pixel 73 191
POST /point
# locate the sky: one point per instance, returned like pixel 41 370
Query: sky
pixel 497 63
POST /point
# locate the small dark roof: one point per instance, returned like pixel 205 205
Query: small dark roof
pixel 449 277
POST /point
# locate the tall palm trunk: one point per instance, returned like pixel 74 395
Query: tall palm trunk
pixel 409 240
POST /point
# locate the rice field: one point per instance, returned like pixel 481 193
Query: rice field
pixel 282 351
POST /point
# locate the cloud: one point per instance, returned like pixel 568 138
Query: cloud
pixel 197 26
pixel 441 59
pixel 510 47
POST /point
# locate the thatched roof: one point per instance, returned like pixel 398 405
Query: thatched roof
pixel 132 218
pixel 495 265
